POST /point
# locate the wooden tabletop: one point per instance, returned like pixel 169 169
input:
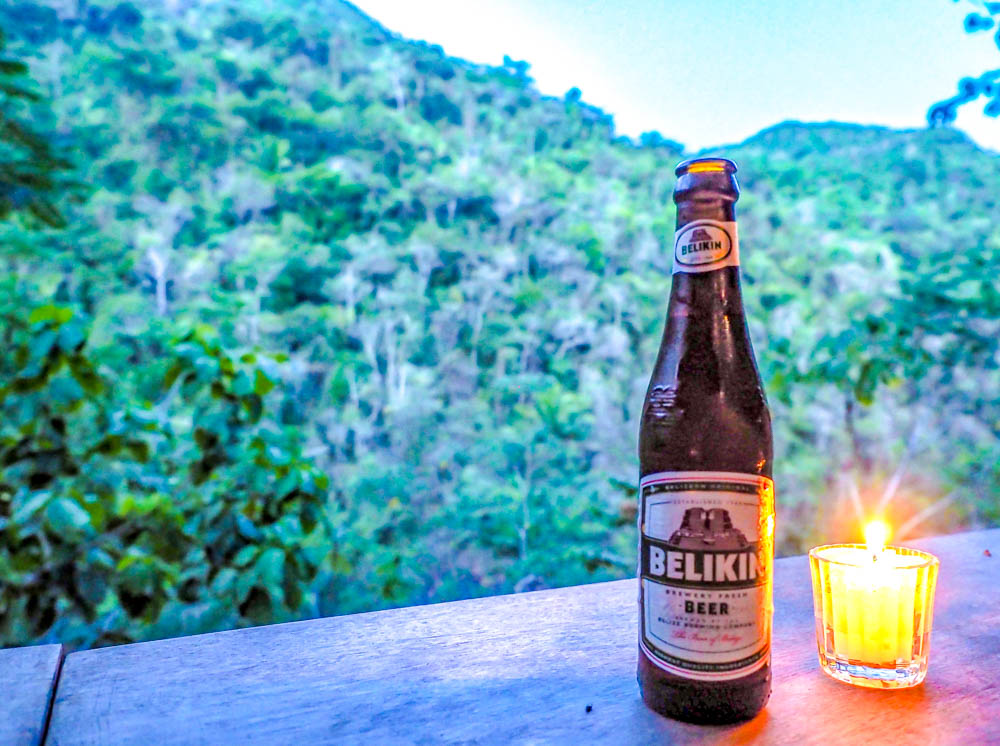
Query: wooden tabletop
pixel 524 669
pixel 27 681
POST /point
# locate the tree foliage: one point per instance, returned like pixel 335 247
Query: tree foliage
pixel 29 166
pixel 346 323
pixel 986 85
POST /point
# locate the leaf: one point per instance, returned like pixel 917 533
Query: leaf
pixel 270 567
pixel 205 439
pixel 65 516
pixel 11 67
pixel 173 372
pixel 244 584
pixel 139 449
pixel 16 91
pixel 45 211
pixel 109 445
pixel 261 383
pixel 246 555
pixel 84 374
pixel 30 507
pixel 254 406
pixel 223 581
pixel 41 345
pixel 247 528
pixel 71 337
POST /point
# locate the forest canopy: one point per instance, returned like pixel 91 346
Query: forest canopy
pixel 301 318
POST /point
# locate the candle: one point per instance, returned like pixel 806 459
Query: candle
pixel 873 605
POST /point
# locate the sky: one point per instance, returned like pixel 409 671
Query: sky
pixel 713 72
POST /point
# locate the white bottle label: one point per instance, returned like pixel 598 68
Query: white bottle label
pixel 706 245
pixel 706 549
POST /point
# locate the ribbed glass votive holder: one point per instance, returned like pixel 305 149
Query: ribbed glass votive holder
pixel 873 613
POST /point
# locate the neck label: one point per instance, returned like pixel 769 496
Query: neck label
pixel 706 245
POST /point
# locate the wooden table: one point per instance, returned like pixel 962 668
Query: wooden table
pixel 27 681
pixel 524 669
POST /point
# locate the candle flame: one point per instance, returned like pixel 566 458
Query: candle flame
pixel 876 535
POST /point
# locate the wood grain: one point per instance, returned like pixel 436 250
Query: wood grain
pixel 523 669
pixel 27 679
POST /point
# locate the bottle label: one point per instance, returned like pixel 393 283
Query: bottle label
pixel 706 548
pixel 706 245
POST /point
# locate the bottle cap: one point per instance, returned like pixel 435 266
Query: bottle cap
pixel 705 166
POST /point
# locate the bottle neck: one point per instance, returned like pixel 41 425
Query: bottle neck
pixel 706 293
pixel 705 205
pixel 706 345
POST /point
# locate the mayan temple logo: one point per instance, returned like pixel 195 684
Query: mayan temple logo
pixel 706 550
pixel 702 244
pixel 708 529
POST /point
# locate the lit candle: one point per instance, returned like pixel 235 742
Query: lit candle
pixel 873 605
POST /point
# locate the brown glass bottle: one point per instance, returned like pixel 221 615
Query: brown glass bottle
pixel 706 512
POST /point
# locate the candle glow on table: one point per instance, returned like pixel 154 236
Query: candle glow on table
pixel 874 606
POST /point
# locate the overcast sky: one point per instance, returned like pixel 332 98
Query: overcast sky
pixel 711 72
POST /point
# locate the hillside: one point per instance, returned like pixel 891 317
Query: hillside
pixel 418 302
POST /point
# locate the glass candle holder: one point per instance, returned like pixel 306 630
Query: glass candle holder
pixel 873 613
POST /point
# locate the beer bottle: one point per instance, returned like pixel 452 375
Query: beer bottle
pixel 706 499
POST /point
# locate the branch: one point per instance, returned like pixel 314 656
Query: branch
pixel 969 89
